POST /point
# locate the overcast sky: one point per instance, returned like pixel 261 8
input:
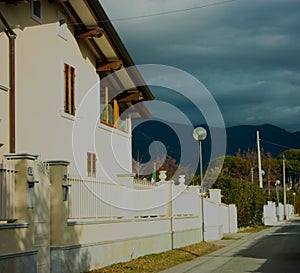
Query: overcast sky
pixel 246 52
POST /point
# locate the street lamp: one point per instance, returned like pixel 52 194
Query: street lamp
pixel 294 194
pixel 200 134
pixel 277 183
pixel 263 173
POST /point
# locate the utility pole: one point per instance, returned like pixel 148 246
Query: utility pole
pixel 284 187
pixel 259 160
pixel 269 182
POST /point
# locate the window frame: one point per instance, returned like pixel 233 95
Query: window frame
pixel 34 16
pixel 69 90
pixel 91 164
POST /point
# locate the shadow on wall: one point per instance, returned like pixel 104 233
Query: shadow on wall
pixel 17 253
pixel 66 252
pixel 40 240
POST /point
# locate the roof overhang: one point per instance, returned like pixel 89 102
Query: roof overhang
pixel 93 26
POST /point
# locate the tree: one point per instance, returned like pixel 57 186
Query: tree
pixel 292 158
pixel 244 166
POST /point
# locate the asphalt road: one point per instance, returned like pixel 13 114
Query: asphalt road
pixel 274 250
pixel 278 251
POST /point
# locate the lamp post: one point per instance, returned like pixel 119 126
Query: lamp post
pixel 263 173
pixel 200 134
pixel 277 183
pixel 294 195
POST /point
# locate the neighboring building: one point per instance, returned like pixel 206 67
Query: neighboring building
pixel 52 54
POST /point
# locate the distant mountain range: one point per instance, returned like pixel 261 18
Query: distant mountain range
pixel 273 139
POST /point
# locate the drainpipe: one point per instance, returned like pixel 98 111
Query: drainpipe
pixel 12 87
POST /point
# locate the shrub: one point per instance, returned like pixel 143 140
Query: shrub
pixel 248 198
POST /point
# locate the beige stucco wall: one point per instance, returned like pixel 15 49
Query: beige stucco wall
pixel 116 148
pixel 21 239
pixel 4 81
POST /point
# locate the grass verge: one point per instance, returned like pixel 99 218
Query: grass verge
pixel 158 262
pixel 252 229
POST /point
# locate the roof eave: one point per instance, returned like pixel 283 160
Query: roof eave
pixel 119 46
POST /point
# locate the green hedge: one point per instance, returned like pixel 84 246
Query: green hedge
pixel 248 198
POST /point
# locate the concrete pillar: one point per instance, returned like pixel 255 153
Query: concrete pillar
pixel 215 195
pixel 233 225
pixel 25 183
pixel 170 211
pixel 58 171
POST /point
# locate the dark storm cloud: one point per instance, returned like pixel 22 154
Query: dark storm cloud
pixel 245 52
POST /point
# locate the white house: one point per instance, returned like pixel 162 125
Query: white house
pixel 53 56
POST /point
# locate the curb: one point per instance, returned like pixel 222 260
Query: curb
pixel 219 257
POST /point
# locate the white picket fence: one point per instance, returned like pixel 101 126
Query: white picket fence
pixel 95 199
pixel 142 201
pixel 7 191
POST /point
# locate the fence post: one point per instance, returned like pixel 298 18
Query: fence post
pixel 58 170
pixel 215 196
pixel 233 228
pixel 170 211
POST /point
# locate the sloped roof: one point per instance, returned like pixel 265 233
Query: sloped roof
pixel 93 24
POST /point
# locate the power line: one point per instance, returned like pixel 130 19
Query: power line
pixel 171 12
pixel 159 13
pixel 276 144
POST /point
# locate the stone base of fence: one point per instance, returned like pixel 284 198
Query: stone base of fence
pixel 21 262
pixel 103 242
pixel 81 258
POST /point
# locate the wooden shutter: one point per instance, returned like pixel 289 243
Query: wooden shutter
pixel 69 89
pixel 91 164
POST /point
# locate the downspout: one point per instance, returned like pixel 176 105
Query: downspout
pixel 12 86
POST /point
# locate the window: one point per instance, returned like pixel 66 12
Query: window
pixel 62 28
pixel 36 10
pixel 69 89
pixel 110 112
pixel 91 164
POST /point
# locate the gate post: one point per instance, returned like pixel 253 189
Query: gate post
pixel 19 235
pixel 24 199
pixel 58 170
